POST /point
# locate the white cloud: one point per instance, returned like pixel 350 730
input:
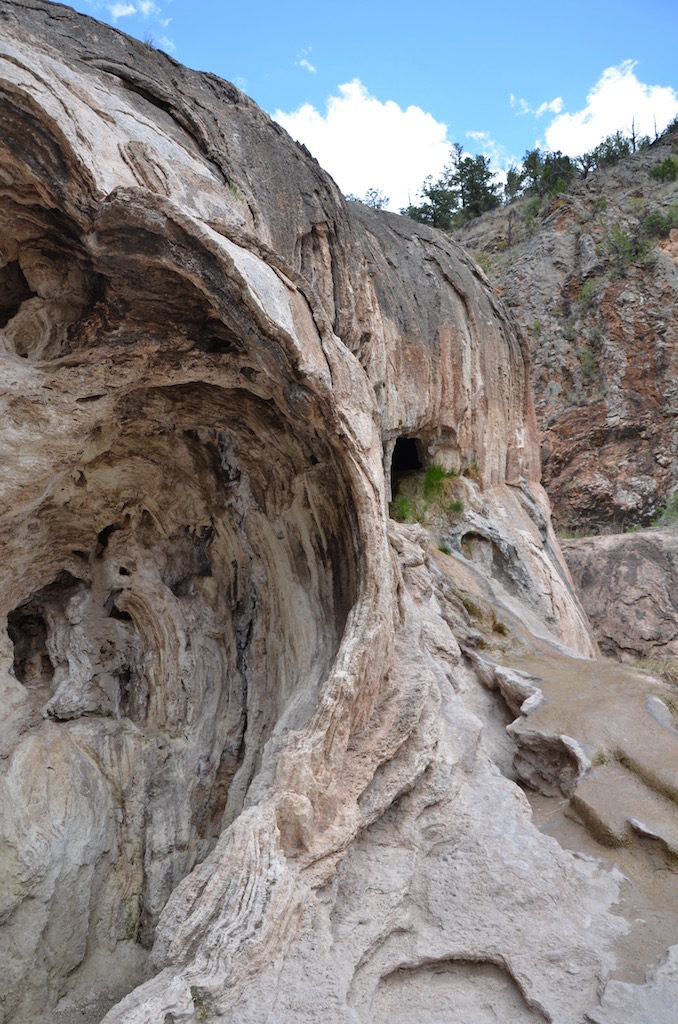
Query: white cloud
pixel 147 7
pixel 524 106
pixel 302 61
pixel 617 99
pixel 500 157
pixel 554 107
pixel 167 44
pixel 365 143
pixel 121 10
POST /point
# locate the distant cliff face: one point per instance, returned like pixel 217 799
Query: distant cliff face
pixel 253 762
pixel 592 277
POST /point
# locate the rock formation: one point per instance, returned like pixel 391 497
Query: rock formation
pixel 593 282
pixel 254 763
pixel 629 586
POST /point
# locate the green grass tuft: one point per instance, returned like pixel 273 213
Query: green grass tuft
pixel 434 478
pixel 402 509
pixel 665 668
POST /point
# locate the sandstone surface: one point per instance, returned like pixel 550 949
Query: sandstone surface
pixel 253 754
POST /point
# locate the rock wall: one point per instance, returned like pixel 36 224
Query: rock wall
pixel 594 286
pixel 242 772
pixel 629 586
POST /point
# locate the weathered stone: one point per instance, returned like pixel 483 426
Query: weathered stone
pixel 243 773
pixel 628 584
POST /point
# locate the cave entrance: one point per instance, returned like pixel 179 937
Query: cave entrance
pixel 14 290
pixel 406 459
pixel 28 629
pixel 28 632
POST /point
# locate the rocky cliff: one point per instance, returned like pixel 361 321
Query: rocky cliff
pixel 253 754
pixel 592 277
pixel 629 587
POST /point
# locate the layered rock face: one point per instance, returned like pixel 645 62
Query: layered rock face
pixel 629 586
pixel 243 771
pixel 592 277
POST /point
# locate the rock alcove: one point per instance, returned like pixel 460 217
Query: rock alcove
pixel 183 581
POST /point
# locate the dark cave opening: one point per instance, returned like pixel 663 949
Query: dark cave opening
pixel 14 290
pixel 28 632
pixel 406 459
pixel 27 627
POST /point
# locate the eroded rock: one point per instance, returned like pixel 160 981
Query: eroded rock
pixel 240 756
pixel 629 586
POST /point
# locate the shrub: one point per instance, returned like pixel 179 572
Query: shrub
pixel 484 261
pixel 498 626
pixel 456 506
pixel 621 248
pixel 667 170
pixel 588 362
pixel 569 331
pixel 588 292
pixel 611 150
pixel 625 248
pixel 656 225
pixel 531 209
pixel 669 513
pixel 560 185
pixel 470 607
pixel 374 198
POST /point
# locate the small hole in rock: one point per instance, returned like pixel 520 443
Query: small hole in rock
pixel 112 609
pixel 103 537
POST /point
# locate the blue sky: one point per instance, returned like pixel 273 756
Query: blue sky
pixel 378 92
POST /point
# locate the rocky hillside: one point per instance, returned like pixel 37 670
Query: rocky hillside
pixel 592 278
pixel 265 752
